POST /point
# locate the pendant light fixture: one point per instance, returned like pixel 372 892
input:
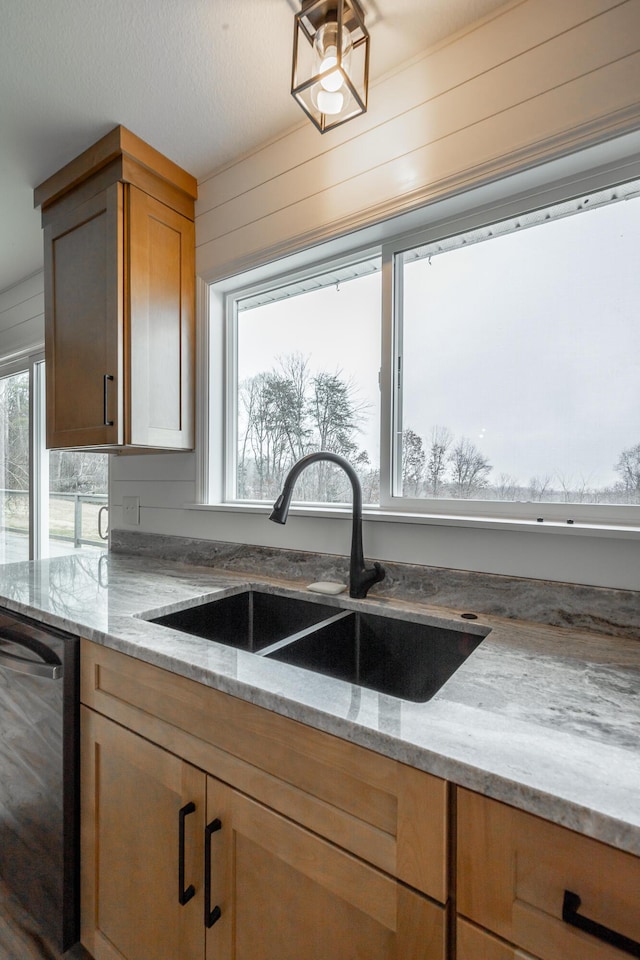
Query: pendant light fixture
pixel 330 75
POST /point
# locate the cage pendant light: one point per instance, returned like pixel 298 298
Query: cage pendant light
pixel 330 75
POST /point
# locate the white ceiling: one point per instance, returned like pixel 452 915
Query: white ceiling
pixel 201 80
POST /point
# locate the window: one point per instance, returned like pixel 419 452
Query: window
pixel 49 500
pixel 518 360
pixel 305 370
pixel 485 367
pixel 14 466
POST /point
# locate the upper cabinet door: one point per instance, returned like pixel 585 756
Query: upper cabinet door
pixel 83 323
pixel 119 299
pixel 159 323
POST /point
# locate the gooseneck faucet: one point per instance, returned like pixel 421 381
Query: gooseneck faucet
pixel 361 578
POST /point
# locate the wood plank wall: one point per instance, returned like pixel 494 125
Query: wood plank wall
pixel 22 317
pixel 539 79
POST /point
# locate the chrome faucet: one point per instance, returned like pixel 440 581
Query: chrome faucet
pixel 361 578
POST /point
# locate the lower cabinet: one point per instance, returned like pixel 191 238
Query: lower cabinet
pixel 213 829
pixel 132 794
pixel 284 894
pixel 475 944
pixel 551 893
pixel 178 864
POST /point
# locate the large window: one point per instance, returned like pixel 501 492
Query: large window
pixel 488 369
pixel 518 359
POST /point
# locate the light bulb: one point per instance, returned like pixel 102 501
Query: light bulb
pixel 326 54
pixel 333 81
pixel 329 101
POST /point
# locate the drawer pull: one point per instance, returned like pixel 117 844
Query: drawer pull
pixel 183 895
pixel 210 915
pixel 106 379
pixel 570 915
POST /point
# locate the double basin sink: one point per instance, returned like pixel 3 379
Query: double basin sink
pixel 394 656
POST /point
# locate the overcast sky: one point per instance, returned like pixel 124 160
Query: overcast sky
pixel 528 345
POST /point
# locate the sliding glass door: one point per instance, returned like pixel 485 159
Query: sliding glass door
pixel 51 502
pixel 15 512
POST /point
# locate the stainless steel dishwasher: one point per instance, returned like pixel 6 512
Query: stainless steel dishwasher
pixel 39 773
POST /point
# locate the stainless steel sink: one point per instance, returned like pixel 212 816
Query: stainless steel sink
pixel 398 657
pixel 250 620
pixel 403 659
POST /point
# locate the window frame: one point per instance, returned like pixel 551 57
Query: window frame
pixel 32 362
pixel 28 363
pixel 231 300
pixel 556 182
pixel 539 512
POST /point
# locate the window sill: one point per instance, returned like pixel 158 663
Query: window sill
pixel 520 525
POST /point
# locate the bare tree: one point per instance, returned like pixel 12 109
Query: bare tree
pixel 439 444
pixel 76 471
pixel 470 469
pixel 14 423
pixel 256 437
pixel 507 487
pixel 289 385
pixel 540 488
pixel 628 469
pixel 335 415
pixel 581 490
pixel 414 460
pixel 287 412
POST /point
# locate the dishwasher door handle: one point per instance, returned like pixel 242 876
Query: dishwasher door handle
pixel 50 669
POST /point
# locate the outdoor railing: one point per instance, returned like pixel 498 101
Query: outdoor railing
pixel 73 517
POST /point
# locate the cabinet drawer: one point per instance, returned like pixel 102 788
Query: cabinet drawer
pixel 476 944
pixel 514 873
pixel 385 812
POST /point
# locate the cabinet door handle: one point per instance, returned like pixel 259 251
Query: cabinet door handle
pixel 570 915
pixel 183 895
pixel 103 511
pixel 107 377
pixel 210 915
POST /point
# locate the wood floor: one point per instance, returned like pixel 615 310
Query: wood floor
pixel 19 936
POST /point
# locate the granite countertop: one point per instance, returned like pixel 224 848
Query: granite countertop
pixel 543 717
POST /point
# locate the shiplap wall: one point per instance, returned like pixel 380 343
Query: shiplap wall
pixel 538 80
pixel 22 317
pixel 541 78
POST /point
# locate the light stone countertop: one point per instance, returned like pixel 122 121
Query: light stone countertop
pixel 543 717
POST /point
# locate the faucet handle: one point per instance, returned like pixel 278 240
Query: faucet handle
pixel 366 579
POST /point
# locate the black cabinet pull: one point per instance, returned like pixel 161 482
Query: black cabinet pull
pixel 183 895
pixel 107 422
pixel 210 915
pixel 570 915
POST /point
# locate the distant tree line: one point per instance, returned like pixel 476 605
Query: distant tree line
pixel 444 466
pixel 290 410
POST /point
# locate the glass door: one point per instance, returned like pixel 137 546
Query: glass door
pixel 71 489
pixel 51 502
pixel 15 510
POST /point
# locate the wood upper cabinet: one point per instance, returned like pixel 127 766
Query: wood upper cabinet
pixel 119 244
pixel 551 892
pixel 299 839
